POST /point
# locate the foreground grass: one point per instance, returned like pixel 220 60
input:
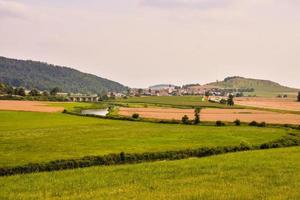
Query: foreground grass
pixel 27 137
pixel 267 174
pixel 173 101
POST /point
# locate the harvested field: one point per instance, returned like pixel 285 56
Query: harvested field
pixel 271 103
pixel 34 106
pixel 245 115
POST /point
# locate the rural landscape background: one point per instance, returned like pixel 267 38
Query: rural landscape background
pixel 149 99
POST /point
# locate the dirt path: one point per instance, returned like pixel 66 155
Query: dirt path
pixel 245 115
pixel 34 106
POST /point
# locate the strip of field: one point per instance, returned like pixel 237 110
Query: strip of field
pixel 28 137
pixel 173 101
pixel 34 106
pixel 245 115
pixel 269 103
pixel 269 174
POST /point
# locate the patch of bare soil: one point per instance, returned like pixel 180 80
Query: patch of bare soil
pixel 245 115
pixel 34 106
pixel 272 103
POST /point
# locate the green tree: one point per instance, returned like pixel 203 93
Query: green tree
pixel 135 116
pixel 185 119
pixel 21 92
pixel 230 100
pixel 45 93
pixel 34 92
pixel 54 91
pixel 197 115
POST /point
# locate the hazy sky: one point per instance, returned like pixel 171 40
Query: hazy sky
pixel 144 42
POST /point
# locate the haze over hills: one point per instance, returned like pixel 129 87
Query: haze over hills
pixel 257 84
pixel 43 76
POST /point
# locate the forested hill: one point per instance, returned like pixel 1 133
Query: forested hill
pixel 257 84
pixel 43 76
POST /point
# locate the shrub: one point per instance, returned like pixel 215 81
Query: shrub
pixel 220 123
pixel 135 116
pixel 185 119
pixel 262 124
pixel 237 122
pixel 223 101
pixel 253 123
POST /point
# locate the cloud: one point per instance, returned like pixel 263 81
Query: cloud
pixel 12 9
pixel 190 4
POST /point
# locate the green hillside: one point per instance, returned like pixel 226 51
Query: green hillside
pixel 258 85
pixel 43 76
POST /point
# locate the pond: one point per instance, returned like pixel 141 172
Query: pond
pixel 99 112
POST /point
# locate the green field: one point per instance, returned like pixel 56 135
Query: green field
pixel 173 101
pixel 268 174
pixel 28 137
pixel 71 106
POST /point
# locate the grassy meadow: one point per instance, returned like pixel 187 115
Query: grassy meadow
pixel 28 137
pixel 267 174
pixel 172 101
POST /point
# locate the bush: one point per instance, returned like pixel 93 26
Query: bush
pixel 220 123
pixel 237 122
pixel 262 124
pixel 253 123
pixel 135 116
pixel 185 119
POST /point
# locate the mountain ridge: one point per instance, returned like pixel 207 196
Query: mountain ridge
pixel 43 76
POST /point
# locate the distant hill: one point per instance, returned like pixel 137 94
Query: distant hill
pixel 258 85
pixel 43 76
pixel 161 86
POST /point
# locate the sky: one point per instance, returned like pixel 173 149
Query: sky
pixel 145 42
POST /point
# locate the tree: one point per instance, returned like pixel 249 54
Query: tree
pixel 135 116
pixel 299 96
pixel 237 122
pixel 45 93
pixel 207 93
pixel 197 115
pixel 54 91
pixel 34 92
pixel 21 92
pixel 185 119
pixel 140 91
pixel 230 101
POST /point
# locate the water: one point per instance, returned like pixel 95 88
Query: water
pixel 99 112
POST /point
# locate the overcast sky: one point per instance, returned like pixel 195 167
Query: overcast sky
pixel 144 42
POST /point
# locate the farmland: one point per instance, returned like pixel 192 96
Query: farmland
pixel 270 103
pixel 39 137
pixel 42 137
pixel 213 114
pixel 269 174
pixel 173 101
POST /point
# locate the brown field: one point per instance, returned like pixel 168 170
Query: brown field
pixel 272 103
pixel 34 106
pixel 229 115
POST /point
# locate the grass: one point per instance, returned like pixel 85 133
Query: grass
pixel 75 106
pixel 173 101
pixel 268 174
pixel 28 137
